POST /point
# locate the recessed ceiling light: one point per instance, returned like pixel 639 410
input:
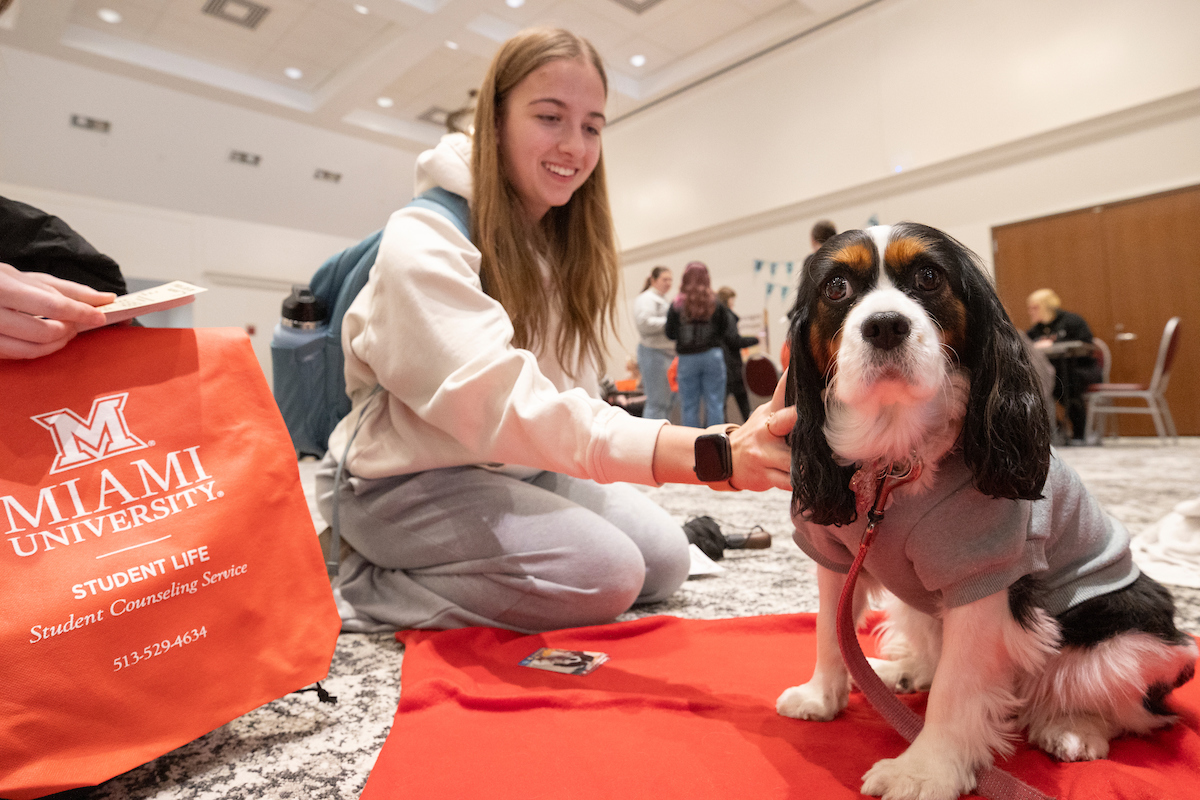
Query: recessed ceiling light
pixel 385 102
pixel 638 60
pixel 293 73
pixel 514 3
pixel 109 16
pixel 451 45
pixel 360 8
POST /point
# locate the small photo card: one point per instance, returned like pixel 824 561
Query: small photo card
pixel 156 298
pixel 569 662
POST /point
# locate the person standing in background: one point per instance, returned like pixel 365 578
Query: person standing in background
pixel 735 383
pixel 699 326
pixel 654 351
pixel 822 231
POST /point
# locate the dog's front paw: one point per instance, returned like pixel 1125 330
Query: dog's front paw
pixel 913 777
pixel 1077 740
pixel 813 700
pixel 901 676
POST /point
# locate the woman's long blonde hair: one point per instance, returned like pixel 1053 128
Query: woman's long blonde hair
pixel 577 238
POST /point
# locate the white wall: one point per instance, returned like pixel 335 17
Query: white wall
pixel 904 84
pixel 247 267
pixel 167 149
pixel 159 194
pixel 962 114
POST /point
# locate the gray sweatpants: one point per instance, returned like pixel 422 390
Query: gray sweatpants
pixel 462 546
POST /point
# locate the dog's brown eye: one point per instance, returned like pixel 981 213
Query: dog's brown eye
pixel 927 279
pixel 836 288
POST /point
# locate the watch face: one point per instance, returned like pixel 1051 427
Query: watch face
pixel 714 458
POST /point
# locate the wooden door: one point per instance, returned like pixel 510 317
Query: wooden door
pixel 1055 252
pixel 1127 268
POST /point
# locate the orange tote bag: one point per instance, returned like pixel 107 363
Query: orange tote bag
pixel 161 575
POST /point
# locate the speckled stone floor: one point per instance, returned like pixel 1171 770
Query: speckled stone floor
pixel 296 747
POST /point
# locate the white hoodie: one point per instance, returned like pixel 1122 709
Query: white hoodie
pixel 456 391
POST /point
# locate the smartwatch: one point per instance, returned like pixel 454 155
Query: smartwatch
pixel 714 457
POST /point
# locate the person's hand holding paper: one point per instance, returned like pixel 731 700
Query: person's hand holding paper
pixel 39 313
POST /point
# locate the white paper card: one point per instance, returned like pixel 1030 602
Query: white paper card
pixel 147 301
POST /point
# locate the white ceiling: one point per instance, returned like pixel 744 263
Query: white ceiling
pixel 421 55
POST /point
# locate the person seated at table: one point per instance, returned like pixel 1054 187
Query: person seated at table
pixel 1075 373
pixel 627 392
pixel 633 381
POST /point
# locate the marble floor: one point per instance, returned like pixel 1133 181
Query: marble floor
pixel 296 747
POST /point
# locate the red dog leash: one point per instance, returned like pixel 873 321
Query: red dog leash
pixel 992 783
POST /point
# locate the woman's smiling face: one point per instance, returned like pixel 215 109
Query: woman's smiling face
pixel 550 133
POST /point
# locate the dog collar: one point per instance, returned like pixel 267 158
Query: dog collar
pixel 871 477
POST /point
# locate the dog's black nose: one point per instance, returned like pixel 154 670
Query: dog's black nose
pixel 885 330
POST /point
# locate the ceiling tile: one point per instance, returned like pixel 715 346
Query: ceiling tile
pixel 581 18
pixel 327 39
pixel 493 27
pixel 391 10
pixel 701 23
pixel 655 54
pixel 136 19
pixel 626 17
pixel 179 37
pixel 280 18
pixel 156 6
pixel 419 87
pixel 760 8
pixel 272 65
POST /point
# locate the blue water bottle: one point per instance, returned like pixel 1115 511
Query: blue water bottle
pixel 304 318
pixel 298 367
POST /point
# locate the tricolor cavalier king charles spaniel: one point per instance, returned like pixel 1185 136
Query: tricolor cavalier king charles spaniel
pixel 1011 595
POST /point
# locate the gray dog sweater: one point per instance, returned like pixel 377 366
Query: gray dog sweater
pixel 952 545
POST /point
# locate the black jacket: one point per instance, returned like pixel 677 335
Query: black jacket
pixel 733 345
pixel 700 335
pixel 1065 327
pixel 1068 327
pixel 34 241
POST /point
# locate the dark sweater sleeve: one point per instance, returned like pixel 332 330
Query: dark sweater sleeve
pixel 671 330
pixel 34 241
pixel 733 337
pixel 1075 327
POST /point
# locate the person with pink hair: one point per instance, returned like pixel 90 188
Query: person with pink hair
pixel 699 324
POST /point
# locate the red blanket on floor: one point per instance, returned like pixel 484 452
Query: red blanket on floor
pixel 683 709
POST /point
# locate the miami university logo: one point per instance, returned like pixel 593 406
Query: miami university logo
pixel 102 435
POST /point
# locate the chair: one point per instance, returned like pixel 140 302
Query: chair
pixel 761 375
pixel 1104 356
pixel 1100 396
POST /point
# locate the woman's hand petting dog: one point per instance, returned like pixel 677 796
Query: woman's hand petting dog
pixel 762 457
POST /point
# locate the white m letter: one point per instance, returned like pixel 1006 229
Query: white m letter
pixel 102 435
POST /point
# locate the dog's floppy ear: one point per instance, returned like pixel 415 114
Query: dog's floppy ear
pixel 820 487
pixel 1006 432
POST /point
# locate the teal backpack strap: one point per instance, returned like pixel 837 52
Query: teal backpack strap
pixel 449 204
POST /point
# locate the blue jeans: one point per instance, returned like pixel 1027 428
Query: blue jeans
pixel 702 376
pixel 653 365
